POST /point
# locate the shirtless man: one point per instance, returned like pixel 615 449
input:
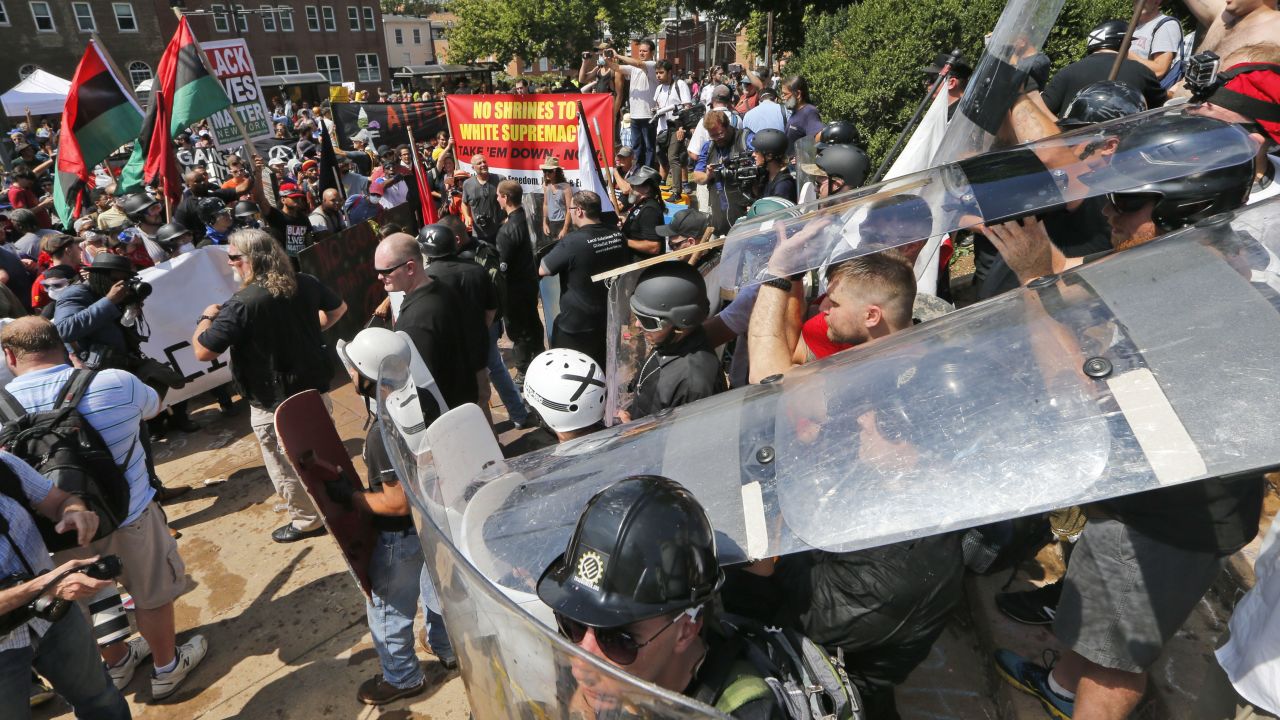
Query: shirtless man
pixel 1235 23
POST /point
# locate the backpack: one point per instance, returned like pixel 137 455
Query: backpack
pixel 61 445
pixel 759 662
pixel 1184 50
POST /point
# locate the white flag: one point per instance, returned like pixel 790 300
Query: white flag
pixel 588 170
pixel 915 157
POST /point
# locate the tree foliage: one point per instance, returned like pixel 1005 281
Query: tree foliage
pixel 417 8
pixel 862 61
pixel 556 29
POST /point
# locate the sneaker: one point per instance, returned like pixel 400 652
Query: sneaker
pixel 190 654
pixel 1033 680
pixel 121 674
pixel 376 691
pixel 1032 607
pixel 41 693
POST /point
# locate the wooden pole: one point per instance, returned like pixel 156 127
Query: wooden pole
pixel 1128 38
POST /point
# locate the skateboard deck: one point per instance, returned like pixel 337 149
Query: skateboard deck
pixel 312 444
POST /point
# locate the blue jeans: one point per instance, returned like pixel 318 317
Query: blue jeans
pixel 437 636
pixel 501 378
pixel 644 140
pixel 67 656
pixel 549 289
pixel 396 570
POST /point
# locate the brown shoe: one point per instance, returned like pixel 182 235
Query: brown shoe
pixel 169 494
pixel 376 691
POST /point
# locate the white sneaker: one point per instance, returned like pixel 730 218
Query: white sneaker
pixel 189 655
pixel 123 673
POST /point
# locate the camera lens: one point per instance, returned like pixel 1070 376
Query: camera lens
pixel 110 623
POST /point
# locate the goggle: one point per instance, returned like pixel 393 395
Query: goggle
pixel 649 322
pixel 1131 202
pixel 620 646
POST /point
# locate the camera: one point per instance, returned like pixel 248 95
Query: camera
pixel 48 607
pixel 1201 75
pixel 138 288
pixel 691 116
pixel 740 169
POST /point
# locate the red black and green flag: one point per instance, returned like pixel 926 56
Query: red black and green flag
pixel 182 94
pixel 99 116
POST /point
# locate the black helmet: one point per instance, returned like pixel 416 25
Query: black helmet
pixel 208 209
pixel 1102 101
pixel 169 233
pixel 1152 151
pixel 136 206
pixel 770 142
pixel 246 209
pixel 437 241
pixel 672 291
pixel 643 547
pixel 1108 35
pixel 838 132
pixel 847 162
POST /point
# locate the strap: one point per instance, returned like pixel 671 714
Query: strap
pixel 75 388
pixel 10 409
pixel 11 486
pixel 744 689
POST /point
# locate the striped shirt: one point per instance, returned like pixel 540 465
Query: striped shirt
pixel 115 405
pixel 23 533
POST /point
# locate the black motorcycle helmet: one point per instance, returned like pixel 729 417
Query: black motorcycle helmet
pixel 770 142
pixel 1101 101
pixel 847 162
pixel 1148 156
pixel 1108 35
pixel 208 209
pixel 171 233
pixel 643 547
pixel 672 291
pixel 437 241
pixel 245 210
pixel 838 132
pixel 136 205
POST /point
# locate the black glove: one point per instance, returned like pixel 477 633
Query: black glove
pixel 341 492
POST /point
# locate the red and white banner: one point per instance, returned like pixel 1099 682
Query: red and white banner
pixel 518 133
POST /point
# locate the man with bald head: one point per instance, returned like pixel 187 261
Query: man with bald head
pixel 480 207
pixel 431 315
pixel 1234 24
pixel 327 217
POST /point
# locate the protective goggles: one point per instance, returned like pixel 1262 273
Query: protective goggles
pixel 618 645
pixel 649 323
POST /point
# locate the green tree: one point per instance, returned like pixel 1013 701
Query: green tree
pixel 862 61
pixel 418 8
pixel 556 29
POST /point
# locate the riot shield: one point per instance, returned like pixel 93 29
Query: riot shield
pixel 991 188
pixel 513 666
pixel 1102 382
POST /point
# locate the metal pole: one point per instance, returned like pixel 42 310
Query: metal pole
pixel 915 118
pixel 1128 38
pixel 768 43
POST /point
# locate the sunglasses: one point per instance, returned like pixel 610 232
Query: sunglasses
pixel 234 258
pixel 648 322
pixel 617 644
pixel 393 268
pixel 1130 203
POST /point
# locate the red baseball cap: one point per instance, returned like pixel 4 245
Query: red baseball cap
pixel 1253 90
pixel 290 190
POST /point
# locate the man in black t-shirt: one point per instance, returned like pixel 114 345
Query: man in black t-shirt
pixel 198 188
pixel 272 326
pixel 430 315
pixel 645 216
pixel 480 201
pixel 1104 43
pixel 591 248
pixel 290 227
pixel 520 271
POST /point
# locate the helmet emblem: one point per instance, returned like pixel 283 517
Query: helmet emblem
pixel 590 570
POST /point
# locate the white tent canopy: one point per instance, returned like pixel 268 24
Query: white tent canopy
pixel 42 93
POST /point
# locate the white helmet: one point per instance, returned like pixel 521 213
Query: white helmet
pixel 371 346
pixel 567 389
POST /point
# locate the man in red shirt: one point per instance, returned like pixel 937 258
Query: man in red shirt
pixel 22 195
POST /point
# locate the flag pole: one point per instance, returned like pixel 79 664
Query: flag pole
pixel 582 118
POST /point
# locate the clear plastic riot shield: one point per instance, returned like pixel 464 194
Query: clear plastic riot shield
pixel 1102 382
pixel 991 188
pixel 513 665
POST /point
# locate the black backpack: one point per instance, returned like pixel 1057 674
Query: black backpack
pixel 61 445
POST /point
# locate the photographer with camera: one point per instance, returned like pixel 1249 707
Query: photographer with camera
pixel 719 165
pixel 480 201
pixel 773 177
pixel 670 97
pixel 63 652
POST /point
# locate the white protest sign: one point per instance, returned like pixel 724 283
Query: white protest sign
pixel 233 66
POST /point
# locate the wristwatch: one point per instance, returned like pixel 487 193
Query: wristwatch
pixel 207 317
pixel 781 283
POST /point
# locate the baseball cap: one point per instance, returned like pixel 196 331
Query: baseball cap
pixel 275 161
pixel 55 243
pixel 375 187
pixel 721 92
pixel 624 151
pixel 1253 90
pixel 307 165
pixel 686 223
pixel 290 190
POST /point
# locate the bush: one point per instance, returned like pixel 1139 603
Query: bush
pixel 862 62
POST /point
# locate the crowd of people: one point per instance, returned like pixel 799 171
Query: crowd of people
pixel 501 260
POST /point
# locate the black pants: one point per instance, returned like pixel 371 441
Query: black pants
pixel 524 327
pixel 590 343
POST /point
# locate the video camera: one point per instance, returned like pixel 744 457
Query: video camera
pixel 1201 76
pixel 138 288
pixel 740 169
pixel 48 607
pixel 690 117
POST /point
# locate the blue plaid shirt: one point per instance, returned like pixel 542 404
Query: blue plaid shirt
pixel 23 533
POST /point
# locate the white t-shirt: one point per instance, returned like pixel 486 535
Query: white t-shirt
pixel 669 96
pixel 643 83
pixel 1249 658
pixel 1149 41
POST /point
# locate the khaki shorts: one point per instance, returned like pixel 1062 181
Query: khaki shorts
pixel 154 573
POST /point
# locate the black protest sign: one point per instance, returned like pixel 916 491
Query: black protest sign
pixel 214 160
pixel 388 123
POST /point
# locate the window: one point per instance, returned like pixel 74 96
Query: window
pixel 369 23
pixel 4 14
pixel 367 69
pixel 84 17
pixel 542 64
pixel 25 71
pixel 268 18
pixel 139 72
pixel 242 19
pixel 286 20
pixel 330 66
pixel 220 23
pixel 417 36
pixel 125 21
pixel 399 36
pixel 330 21
pixel 285 64
pixel 313 18
pixel 43 17
pixel 437 32
pixel 353 18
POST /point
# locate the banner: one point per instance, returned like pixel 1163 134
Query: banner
pixel 233 66
pixel 182 288
pixel 388 123
pixel 517 134
pixel 214 159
